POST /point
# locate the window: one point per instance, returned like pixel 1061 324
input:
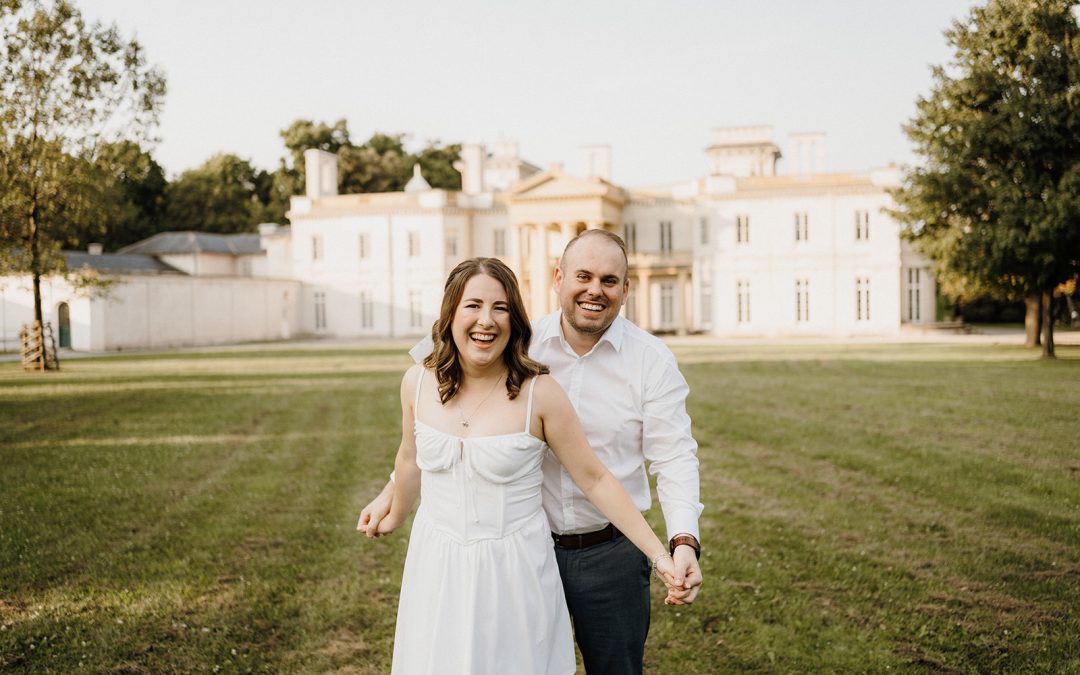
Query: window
pixel 320 310
pixel 500 241
pixel 631 238
pixel 367 315
pixel 742 292
pixel 802 231
pixel 862 225
pixel 862 298
pixel 363 246
pixel 667 304
pixel 317 247
pixel 704 225
pixel 742 229
pixel 802 300
pixel 914 286
pixel 414 243
pixel 665 236
pixel 451 245
pixel 706 303
pixel 415 318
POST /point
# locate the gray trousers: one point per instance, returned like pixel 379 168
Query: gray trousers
pixel 607 591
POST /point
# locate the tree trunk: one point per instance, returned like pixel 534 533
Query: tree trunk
pixel 1048 324
pixel 1032 318
pixel 35 262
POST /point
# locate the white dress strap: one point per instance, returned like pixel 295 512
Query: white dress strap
pixel 528 410
pixel 416 404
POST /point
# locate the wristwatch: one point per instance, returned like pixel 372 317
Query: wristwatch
pixel 687 539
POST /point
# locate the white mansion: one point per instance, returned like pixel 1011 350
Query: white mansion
pixel 742 251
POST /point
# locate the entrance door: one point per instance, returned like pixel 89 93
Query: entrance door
pixel 64 318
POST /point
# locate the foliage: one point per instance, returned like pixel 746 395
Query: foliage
pixel 66 88
pixel 133 196
pixel 226 194
pixel 997 201
pixel 381 164
pixel 188 511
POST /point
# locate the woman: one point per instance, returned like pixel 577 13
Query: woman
pixel 481 590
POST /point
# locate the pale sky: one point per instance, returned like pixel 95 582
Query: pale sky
pixel 652 79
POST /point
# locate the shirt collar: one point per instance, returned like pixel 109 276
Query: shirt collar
pixel 613 335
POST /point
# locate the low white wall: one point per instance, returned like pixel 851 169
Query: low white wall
pixel 155 312
pixel 144 312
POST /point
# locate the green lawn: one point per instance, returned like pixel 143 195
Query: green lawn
pixel 904 507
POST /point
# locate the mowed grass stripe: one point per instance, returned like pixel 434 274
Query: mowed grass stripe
pixel 867 508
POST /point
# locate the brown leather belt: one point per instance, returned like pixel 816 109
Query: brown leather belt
pixel 586 539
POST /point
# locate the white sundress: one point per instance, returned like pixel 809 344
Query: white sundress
pixel 481 591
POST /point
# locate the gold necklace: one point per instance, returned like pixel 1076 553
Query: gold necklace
pixel 465 420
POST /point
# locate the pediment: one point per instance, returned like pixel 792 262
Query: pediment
pixel 557 185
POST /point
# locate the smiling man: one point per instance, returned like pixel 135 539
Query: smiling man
pixel 631 398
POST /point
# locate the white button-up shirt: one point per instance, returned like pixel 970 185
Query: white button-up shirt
pixel 631 399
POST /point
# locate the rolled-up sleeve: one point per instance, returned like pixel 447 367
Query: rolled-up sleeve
pixel 670 448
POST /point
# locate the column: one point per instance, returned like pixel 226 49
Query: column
pixel 644 304
pixel 682 287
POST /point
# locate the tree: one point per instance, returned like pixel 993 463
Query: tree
pixel 222 195
pixel 65 89
pixel 997 202
pixel 133 198
pixel 437 162
pixel 382 164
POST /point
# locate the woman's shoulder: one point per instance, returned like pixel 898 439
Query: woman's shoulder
pixel 547 389
pixel 412 376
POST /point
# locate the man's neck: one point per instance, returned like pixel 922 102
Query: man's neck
pixel 581 343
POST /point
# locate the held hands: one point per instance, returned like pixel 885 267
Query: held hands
pixel 373 519
pixel 688 576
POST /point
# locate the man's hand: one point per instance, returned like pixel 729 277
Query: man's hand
pixel 374 513
pixel 686 565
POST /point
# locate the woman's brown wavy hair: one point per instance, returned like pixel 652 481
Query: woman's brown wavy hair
pixel 444 359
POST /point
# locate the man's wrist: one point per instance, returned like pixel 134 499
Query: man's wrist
pixel 685 540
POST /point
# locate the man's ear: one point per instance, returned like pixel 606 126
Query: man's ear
pixel 556 279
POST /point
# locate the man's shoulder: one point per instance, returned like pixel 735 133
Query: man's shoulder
pixel 639 341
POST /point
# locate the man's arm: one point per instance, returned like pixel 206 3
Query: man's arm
pixel 672 454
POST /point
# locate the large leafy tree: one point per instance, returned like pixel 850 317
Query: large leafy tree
pixel 66 89
pixel 225 194
pixel 996 202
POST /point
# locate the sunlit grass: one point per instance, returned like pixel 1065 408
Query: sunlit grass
pixel 868 507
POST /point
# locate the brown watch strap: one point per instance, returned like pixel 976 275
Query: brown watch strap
pixel 687 539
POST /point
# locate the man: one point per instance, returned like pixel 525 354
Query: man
pixel 631 398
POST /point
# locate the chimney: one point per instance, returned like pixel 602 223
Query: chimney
pixel 595 161
pixel 320 168
pixel 807 153
pixel 471 167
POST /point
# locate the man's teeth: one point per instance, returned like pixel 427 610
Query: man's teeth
pixel 592 307
pixel 482 338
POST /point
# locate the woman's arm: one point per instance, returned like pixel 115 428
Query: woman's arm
pixel 562 431
pixel 406 472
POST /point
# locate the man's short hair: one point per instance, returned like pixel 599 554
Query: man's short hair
pixel 607 234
